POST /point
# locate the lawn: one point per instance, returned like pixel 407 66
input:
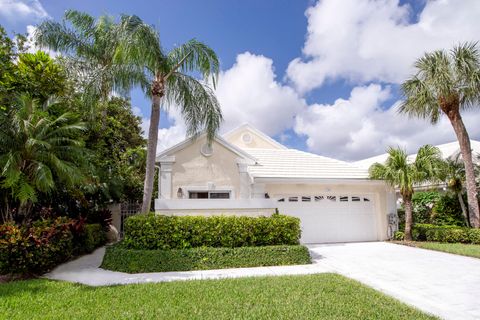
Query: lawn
pixel 322 296
pixel 470 250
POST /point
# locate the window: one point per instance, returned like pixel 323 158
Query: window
pixel 209 194
pixel 293 199
pixel 355 199
pixel 343 199
pixel 306 199
pixel 366 200
pixel 332 198
pixel 319 198
pixel 281 200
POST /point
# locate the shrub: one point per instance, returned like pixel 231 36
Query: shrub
pixel 429 232
pixel 399 236
pixel 447 211
pixel 119 258
pixel 92 237
pixel 179 232
pixel 423 202
pixel 38 248
pixel 474 235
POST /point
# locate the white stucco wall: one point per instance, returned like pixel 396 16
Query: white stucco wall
pixel 257 140
pixel 191 168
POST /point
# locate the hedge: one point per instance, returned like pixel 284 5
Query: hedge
pixel 451 234
pixel 119 258
pixel 36 249
pixel 180 232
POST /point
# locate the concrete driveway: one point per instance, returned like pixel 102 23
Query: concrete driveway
pixel 439 283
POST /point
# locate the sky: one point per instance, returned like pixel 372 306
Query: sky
pixel 320 76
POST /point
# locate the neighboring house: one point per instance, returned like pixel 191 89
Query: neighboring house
pixel 245 172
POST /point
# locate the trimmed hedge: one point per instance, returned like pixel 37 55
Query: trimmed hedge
pixel 180 232
pixel 119 258
pixel 451 234
pixel 38 248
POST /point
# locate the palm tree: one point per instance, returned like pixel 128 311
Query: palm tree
pixel 448 82
pixel 38 150
pixel 453 173
pixel 91 47
pixel 404 175
pixel 172 84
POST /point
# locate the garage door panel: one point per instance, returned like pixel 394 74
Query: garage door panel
pixel 333 221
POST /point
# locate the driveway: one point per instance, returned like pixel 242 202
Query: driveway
pixel 443 284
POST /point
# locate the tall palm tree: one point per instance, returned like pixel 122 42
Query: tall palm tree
pixel 453 173
pixel 447 83
pixel 173 84
pixel 404 175
pixel 38 150
pixel 90 47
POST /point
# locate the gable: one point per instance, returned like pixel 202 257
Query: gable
pixel 246 136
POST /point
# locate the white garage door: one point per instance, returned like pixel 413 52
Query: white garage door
pixel 332 218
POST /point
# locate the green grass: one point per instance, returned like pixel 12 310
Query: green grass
pixel 322 296
pixel 470 250
pixel 118 258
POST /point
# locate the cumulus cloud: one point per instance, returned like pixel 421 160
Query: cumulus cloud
pixel 359 127
pixel 32 47
pixel 377 40
pixel 22 10
pixel 249 92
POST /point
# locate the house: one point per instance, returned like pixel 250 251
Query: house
pixel 245 172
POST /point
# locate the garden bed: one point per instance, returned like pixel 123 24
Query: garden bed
pixel 119 258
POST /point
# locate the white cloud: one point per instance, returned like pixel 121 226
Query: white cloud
pixel 359 127
pixel 376 40
pixel 249 92
pixel 32 47
pixel 22 10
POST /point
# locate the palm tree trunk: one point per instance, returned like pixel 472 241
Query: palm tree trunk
pixel 407 200
pixel 151 153
pixel 466 150
pixel 464 209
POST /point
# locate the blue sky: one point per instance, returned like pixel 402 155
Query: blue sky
pixel 321 76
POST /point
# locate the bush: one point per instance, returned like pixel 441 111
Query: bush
pixel 429 232
pixel 423 202
pixel 399 236
pixel 180 232
pixel 119 258
pixel 447 211
pixel 92 237
pixel 36 249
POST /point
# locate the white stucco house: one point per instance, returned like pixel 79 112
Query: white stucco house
pixel 245 172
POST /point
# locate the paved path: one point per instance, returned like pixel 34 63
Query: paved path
pixel 439 283
pixel 443 284
pixel 86 270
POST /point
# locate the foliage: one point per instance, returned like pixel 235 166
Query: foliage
pixel 423 202
pixel 179 232
pixel 323 296
pixel 429 232
pixel 39 151
pixel 38 248
pixel 121 259
pixel 447 211
pixel 399 236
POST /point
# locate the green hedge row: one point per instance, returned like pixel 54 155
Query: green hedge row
pixel 180 232
pixel 119 258
pixel 452 234
pixel 40 247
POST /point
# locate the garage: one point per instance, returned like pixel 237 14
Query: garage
pixel 329 218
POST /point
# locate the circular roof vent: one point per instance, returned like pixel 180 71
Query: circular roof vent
pixel 206 150
pixel 247 138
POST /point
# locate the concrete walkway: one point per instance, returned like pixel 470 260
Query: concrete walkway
pixel 86 270
pixel 439 283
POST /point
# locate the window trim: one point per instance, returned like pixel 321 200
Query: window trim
pixel 208 188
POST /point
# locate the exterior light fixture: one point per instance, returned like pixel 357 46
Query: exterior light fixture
pixel 180 193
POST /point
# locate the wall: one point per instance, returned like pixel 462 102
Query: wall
pixel 210 212
pixel 191 168
pixel 257 141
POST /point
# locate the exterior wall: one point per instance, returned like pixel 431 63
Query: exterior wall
pixel 382 193
pixel 257 141
pixel 192 169
pixel 211 212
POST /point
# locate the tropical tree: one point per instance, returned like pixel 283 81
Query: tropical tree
pixel 38 151
pixel 172 84
pixel 90 47
pixel 447 83
pixel 404 175
pixel 453 173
